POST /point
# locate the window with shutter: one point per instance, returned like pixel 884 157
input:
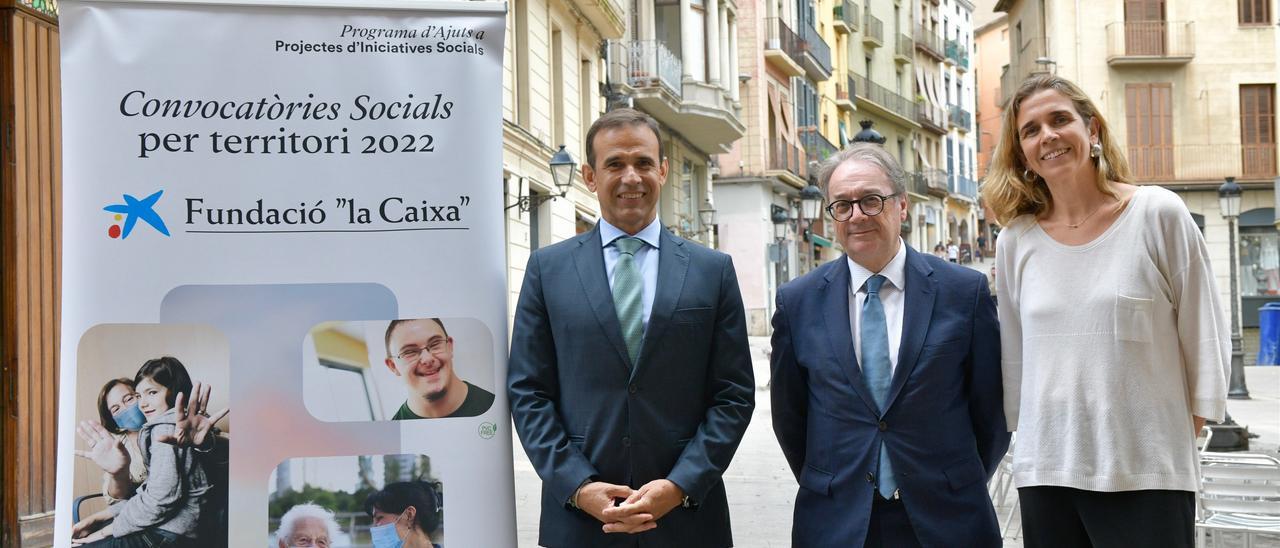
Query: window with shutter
pixel 1149 117
pixel 1255 12
pixel 1144 27
pixel 1257 130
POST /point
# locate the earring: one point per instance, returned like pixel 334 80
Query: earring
pixel 1095 150
pixel 1028 176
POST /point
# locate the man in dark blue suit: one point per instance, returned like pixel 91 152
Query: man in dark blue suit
pixel 630 376
pixel 886 385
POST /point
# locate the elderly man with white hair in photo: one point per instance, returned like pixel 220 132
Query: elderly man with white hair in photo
pixel 307 526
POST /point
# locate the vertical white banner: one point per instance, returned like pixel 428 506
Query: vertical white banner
pixel 253 193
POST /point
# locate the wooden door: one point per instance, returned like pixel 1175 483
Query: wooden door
pixel 1258 130
pixel 30 224
pixel 1144 27
pixel 1149 116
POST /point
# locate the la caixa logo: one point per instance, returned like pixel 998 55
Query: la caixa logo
pixel 131 211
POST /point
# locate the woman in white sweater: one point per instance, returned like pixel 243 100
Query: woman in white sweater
pixel 1115 345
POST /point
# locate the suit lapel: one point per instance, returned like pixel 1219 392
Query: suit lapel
pixel 589 259
pixel 673 266
pixel 916 315
pixel 835 314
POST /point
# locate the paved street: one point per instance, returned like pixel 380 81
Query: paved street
pixel 762 490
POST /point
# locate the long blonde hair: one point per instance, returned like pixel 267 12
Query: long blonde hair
pixel 1007 191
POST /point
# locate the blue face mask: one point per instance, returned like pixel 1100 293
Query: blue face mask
pixel 385 536
pixel 130 419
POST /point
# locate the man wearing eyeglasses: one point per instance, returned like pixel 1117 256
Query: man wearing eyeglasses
pixel 420 352
pixel 886 382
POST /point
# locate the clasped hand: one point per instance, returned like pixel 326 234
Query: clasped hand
pixel 638 510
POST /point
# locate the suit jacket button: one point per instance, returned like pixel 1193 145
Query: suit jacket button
pixel 871 478
pixel 884 426
pixel 632 389
pixel 626 441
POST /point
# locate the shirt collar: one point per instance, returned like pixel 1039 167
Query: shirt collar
pixel 649 234
pixel 895 271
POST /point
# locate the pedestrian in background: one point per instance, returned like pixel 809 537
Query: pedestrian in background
pixel 1114 342
pixel 991 282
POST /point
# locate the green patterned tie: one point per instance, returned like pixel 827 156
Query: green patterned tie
pixel 628 292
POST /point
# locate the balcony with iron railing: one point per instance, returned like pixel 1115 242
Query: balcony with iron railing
pixel 931 118
pixel 704 112
pixel 653 66
pixel 787 161
pixel 783 48
pixel 1150 43
pixel 817 54
pixel 845 94
pixel 1202 163
pixel 846 17
pixel 816 147
pixel 917 185
pixel 934 181
pixel 873 34
pixel 962 58
pixel 928 42
pixel 964 187
pixel 880 98
pixel 961 119
pixel 902 53
pixel 951 50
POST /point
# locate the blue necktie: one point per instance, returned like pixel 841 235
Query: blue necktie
pixel 628 292
pixel 876 368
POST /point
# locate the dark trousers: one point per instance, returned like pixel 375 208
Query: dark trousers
pixel 1066 517
pixel 151 538
pixel 889 527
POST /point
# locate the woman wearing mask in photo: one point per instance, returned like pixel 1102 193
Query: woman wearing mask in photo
pixel 113 440
pixel 405 514
pixel 165 510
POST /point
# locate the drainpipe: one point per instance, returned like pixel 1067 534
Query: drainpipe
pixel 1077 59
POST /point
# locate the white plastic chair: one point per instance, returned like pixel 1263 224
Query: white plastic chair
pixel 1000 488
pixel 1239 492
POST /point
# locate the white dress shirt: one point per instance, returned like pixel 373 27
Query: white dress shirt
pixel 646 258
pixel 891 296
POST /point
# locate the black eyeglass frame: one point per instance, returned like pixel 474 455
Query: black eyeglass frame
pixel 830 209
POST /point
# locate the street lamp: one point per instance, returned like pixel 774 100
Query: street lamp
pixel 562 169
pixel 707 214
pixel 810 209
pixel 1229 201
pixel 1045 62
pixel 780 220
pixel 706 220
pixel 868 135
